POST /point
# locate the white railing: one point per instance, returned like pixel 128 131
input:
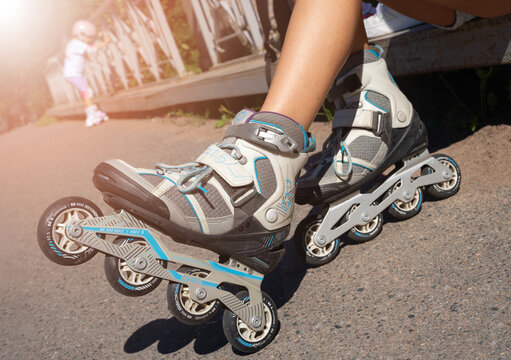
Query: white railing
pixel 142 45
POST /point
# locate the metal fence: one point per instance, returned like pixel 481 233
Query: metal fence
pixel 143 47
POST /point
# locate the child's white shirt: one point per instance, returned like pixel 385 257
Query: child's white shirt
pixel 74 64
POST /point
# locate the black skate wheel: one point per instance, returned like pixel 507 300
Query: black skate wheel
pixel 447 188
pixel 405 210
pixel 51 230
pixel 123 279
pixel 242 337
pixel 312 254
pixel 182 306
pixel 368 231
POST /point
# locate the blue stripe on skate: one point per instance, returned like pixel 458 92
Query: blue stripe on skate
pixel 219 267
pixel 190 279
pixel 131 232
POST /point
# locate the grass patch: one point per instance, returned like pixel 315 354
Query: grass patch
pixel 181 118
pixel 46 120
pixel 227 116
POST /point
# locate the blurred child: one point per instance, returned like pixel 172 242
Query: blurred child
pixel 81 45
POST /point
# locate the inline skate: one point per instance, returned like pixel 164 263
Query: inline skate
pixel 237 200
pixel 94 116
pixel 375 159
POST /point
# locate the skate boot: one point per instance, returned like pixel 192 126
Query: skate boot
pixel 92 117
pixel 376 158
pixel 374 127
pixel 101 115
pixel 237 199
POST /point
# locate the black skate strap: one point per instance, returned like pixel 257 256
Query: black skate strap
pixel 360 118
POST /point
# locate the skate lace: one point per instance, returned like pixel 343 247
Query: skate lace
pixel 344 150
pixel 331 148
pixel 192 174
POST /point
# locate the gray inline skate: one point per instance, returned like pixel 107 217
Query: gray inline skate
pixel 375 159
pixel 237 200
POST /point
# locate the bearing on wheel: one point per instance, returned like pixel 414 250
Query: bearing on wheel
pixel 52 230
pixel 367 231
pixel 405 210
pixel 123 279
pixel 241 336
pixel 304 243
pixel 183 307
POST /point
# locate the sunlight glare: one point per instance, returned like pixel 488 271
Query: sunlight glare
pixel 13 14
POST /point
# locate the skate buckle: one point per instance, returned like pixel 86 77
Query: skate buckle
pixel 201 293
pixel 378 121
pixel 283 142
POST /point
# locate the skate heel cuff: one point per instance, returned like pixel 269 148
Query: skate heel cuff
pixel 266 136
pixel 360 118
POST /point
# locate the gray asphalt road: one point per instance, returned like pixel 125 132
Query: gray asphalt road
pixel 434 286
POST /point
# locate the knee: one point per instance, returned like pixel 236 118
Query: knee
pixel 494 11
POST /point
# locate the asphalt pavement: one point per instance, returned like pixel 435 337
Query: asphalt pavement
pixel 437 286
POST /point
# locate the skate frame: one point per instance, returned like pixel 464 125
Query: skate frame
pixel 367 209
pixel 145 259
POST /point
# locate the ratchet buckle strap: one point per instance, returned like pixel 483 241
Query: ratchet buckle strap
pixel 361 118
pixel 264 135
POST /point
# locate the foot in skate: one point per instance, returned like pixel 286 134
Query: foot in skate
pixel 94 116
pixel 102 116
pixel 236 199
pixel 374 127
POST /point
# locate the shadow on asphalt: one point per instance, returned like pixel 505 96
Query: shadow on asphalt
pixel 171 335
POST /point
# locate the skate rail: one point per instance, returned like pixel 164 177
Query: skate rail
pixel 481 42
pixel 145 259
pixel 367 205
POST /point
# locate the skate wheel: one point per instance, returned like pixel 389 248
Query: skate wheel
pixel 368 231
pixel 51 230
pixel 312 254
pixel 242 337
pixel 405 210
pixel 183 307
pixel 123 279
pixel 447 188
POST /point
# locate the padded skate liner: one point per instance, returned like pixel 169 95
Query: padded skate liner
pixel 108 179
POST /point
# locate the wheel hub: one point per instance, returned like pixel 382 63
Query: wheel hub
pixel 67 220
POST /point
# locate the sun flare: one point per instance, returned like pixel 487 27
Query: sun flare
pixel 13 14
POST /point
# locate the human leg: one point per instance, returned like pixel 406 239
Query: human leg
pixel 443 12
pixel 488 8
pixel 374 127
pixel 320 36
pixel 94 116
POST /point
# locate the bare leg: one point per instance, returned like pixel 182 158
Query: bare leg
pixel 424 11
pixel 442 12
pixel 319 39
pixel 88 102
pixel 487 8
